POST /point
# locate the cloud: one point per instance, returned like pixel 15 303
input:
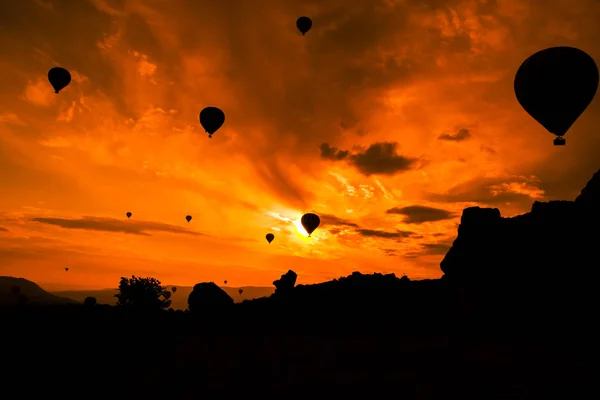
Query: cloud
pixel 384 234
pixel 461 135
pixel 114 225
pixel 420 214
pixel 37 93
pixel 332 220
pixel 377 159
pixel 493 191
pixel 3 229
pixel 430 249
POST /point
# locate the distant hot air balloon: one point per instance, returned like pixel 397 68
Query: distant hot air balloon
pixel 310 222
pixel 304 24
pixel 555 86
pixel 173 289
pixel 128 215
pixel 241 291
pixel 67 269
pixel 166 294
pixel 211 119
pixel 225 282
pixel 270 237
pixel 59 78
pixel 188 218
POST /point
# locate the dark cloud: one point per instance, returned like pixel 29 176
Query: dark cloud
pixel 3 229
pixel 114 225
pixel 421 214
pixel 390 252
pixel 430 249
pixel 327 219
pixel 384 234
pixel 459 136
pixel 492 191
pixel 378 159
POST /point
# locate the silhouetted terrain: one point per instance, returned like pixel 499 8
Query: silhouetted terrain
pixel 512 317
pixel 33 293
pixel 107 296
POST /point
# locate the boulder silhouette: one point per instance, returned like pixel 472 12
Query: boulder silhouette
pixel 286 283
pixel 531 262
pixel 208 297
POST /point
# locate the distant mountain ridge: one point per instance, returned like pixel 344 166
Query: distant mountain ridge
pixel 33 292
pixel 178 299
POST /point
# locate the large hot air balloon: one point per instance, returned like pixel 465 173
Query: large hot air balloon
pixel 304 24
pixel 270 237
pixel 59 78
pixel 310 222
pixel 67 269
pixel 173 289
pixel 188 218
pixel 555 86
pixel 128 215
pixel 211 119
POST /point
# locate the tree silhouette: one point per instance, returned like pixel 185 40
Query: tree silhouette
pixel 142 293
pixel 90 301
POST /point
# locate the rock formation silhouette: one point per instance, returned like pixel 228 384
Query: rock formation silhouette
pixel 286 283
pixel 207 296
pixel 531 262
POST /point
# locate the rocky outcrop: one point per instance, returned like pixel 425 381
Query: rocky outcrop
pixel 207 297
pixel 285 284
pixel 548 254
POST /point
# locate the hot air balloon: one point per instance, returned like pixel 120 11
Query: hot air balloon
pixel 173 289
pixel 67 269
pixel 59 78
pixel 270 237
pixel 211 119
pixel 555 86
pixel 128 215
pixel 166 294
pixel 310 222
pixel 188 218
pixel 225 282
pixel 241 291
pixel 304 24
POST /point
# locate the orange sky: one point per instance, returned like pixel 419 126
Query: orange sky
pixel 419 92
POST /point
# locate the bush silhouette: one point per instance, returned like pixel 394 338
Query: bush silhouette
pixel 142 294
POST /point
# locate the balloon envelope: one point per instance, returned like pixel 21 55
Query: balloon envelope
pixel 173 289
pixel 310 222
pixel 128 215
pixel 59 78
pixel 211 119
pixel 304 24
pixel 225 282
pixel 555 86
pixel 66 269
pixel 270 237
pixel 241 291
pixel 188 218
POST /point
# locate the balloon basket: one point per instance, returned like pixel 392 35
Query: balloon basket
pixel 559 141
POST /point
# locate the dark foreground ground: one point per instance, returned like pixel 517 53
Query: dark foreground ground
pixel 171 357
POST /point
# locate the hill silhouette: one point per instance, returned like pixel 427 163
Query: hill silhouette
pixel 179 299
pixel 510 318
pixel 11 288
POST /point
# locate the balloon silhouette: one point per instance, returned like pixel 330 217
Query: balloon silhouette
pixel 173 289
pixel 555 86
pixel 188 218
pixel 304 24
pixel 211 119
pixel 59 78
pixel 225 282
pixel 166 294
pixel 128 215
pixel 310 222
pixel 241 291
pixel 67 269
pixel 270 237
